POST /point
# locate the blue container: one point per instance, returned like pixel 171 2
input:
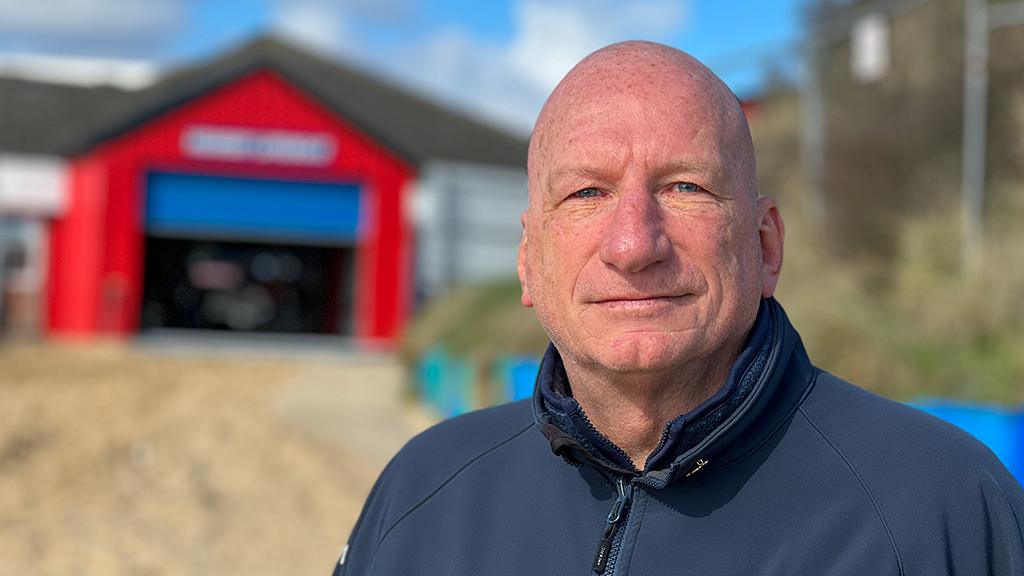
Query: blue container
pixel 433 367
pixel 458 386
pixel 517 376
pixel 445 383
pixel 1017 468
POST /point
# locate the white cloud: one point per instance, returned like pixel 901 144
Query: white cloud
pixel 461 70
pixel 654 18
pixel 81 71
pixel 105 29
pixel 335 25
pixel 319 25
pixel 554 36
pixel 96 18
pixel 551 39
pixel 509 81
pixel 477 76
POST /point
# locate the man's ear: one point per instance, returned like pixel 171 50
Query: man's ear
pixel 772 234
pixel 521 265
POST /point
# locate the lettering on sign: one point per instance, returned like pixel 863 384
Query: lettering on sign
pixel 261 146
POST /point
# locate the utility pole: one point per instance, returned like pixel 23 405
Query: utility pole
pixel 3 268
pixel 813 132
pixel 975 118
pixel 824 35
pixel 979 20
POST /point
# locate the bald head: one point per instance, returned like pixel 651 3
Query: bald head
pixel 662 84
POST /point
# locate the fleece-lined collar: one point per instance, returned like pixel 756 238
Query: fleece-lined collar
pixel 688 438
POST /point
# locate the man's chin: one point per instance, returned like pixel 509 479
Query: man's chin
pixel 642 352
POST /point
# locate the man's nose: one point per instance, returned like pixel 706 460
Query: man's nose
pixel 634 237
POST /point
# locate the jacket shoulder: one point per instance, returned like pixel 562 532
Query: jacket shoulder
pixel 444 448
pixel 890 438
pixel 926 478
pixel 423 467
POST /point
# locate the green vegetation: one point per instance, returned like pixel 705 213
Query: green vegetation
pixel 480 323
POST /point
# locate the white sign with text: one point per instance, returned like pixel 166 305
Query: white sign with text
pixel 231 144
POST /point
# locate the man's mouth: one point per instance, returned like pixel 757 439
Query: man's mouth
pixel 640 302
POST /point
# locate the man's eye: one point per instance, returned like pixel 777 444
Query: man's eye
pixel 587 193
pixel 688 187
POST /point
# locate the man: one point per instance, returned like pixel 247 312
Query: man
pixel 677 426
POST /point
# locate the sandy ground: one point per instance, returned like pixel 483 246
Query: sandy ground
pixel 121 460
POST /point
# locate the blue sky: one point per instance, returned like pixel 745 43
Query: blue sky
pixel 497 59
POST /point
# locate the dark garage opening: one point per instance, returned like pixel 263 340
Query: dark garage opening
pixel 247 287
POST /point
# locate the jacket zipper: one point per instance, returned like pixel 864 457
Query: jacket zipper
pixel 611 528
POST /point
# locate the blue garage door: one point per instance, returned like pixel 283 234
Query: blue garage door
pixel 186 205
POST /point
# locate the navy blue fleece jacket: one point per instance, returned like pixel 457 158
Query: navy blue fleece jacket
pixel 787 471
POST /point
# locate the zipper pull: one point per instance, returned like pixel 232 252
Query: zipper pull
pixel 700 464
pixel 611 527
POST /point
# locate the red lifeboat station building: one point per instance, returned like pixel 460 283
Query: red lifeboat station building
pixel 265 191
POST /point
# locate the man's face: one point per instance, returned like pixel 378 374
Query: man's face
pixel 642 245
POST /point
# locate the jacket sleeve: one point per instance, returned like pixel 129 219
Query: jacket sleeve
pixel 978 531
pixel 1004 513
pixel 357 555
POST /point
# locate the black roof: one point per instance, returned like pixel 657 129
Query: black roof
pixel 38 117
pixel 414 127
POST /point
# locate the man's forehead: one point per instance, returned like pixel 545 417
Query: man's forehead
pixel 604 142
pixel 598 100
pixel 606 133
pixel 633 87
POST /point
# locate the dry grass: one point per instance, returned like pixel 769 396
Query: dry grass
pixel 919 325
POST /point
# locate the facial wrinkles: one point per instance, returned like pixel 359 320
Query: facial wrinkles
pixel 608 153
pixel 630 172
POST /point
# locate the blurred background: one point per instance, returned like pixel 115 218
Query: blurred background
pixel 248 248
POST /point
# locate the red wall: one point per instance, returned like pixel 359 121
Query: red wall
pixel 97 247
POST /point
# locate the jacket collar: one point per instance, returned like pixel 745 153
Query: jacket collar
pixel 691 439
